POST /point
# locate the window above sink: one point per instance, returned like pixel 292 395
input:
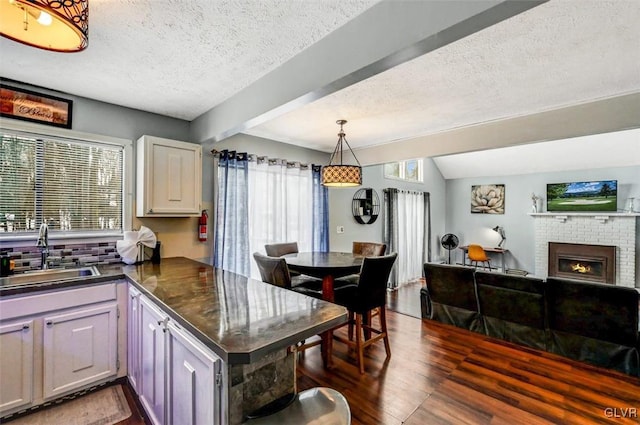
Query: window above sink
pixel 77 182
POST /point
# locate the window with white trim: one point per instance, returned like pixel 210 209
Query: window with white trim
pixel 409 170
pixel 75 185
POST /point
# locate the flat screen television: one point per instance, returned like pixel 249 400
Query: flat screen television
pixel 601 195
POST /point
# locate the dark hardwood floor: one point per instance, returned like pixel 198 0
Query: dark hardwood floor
pixel 406 299
pixel 439 374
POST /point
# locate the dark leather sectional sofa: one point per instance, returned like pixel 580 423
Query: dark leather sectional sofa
pixel 589 322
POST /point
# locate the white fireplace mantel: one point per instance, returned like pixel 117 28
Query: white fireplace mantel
pixel 599 216
pixel 596 228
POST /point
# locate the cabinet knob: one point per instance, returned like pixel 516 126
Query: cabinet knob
pixel 150 210
pixel 49 323
pixel 25 327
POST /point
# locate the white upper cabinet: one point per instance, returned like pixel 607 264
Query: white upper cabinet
pixel 168 178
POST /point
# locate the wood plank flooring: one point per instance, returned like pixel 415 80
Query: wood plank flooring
pixel 439 374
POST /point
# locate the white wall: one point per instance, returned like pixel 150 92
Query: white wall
pixel 518 225
pixel 373 177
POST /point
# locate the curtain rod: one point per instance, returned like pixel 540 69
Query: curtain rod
pixel 260 159
pixel 393 189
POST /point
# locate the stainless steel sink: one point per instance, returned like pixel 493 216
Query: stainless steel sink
pixel 52 275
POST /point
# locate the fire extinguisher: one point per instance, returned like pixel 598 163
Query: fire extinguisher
pixel 202 226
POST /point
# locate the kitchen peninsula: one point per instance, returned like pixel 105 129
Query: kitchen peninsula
pixel 204 344
pixel 247 324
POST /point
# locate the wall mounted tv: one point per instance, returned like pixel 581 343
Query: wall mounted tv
pixel 592 196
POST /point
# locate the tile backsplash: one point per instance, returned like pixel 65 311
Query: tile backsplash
pixel 64 255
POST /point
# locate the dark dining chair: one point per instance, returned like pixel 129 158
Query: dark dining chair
pixel 369 249
pixel 369 294
pixel 280 249
pixel 274 270
pixel 366 249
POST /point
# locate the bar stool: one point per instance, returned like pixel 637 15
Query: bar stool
pixel 317 406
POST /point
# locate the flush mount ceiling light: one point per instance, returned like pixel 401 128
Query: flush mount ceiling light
pixel 57 25
pixel 341 175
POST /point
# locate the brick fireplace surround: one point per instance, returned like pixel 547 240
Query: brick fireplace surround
pixel 596 229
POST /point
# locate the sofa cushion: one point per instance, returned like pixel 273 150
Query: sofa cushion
pixel 513 308
pixel 451 296
pixel 516 299
pixel 598 311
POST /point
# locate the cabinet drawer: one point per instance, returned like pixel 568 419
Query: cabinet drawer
pixel 56 300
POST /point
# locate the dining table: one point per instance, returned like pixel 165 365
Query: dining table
pixel 326 266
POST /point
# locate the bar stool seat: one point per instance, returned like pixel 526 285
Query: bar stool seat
pixel 317 406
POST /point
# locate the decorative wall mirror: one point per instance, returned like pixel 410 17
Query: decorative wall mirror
pixel 365 206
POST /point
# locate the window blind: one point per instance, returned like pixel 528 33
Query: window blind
pixel 73 185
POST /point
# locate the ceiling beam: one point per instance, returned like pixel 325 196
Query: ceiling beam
pixel 386 35
pixel 597 117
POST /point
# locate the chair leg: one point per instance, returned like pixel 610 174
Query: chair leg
pixel 359 348
pixel 383 328
pixel 351 322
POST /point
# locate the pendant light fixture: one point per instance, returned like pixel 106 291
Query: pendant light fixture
pixel 59 26
pixel 341 175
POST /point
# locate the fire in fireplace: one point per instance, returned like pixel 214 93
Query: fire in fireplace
pixel 580 261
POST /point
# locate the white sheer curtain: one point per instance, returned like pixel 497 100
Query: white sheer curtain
pixel 407 232
pixel 410 235
pixel 280 205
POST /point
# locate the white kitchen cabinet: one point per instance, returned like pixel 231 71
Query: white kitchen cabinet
pixel 181 379
pixel 16 364
pixel 53 343
pixel 133 337
pixel 80 347
pixel 168 178
pixel 194 374
pixel 152 354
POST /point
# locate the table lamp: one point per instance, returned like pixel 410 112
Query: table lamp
pixel 500 231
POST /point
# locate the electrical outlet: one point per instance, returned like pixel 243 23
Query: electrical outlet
pixel 340 229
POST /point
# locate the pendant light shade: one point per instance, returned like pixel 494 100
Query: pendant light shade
pixel 341 175
pixel 56 25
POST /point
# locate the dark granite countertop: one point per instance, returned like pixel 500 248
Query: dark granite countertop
pixel 240 319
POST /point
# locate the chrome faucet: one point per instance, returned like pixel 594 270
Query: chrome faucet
pixel 43 243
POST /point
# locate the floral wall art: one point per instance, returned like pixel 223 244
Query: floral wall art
pixel 487 199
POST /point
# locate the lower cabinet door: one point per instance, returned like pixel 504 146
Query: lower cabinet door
pixel 16 365
pixel 133 338
pixel 80 347
pixel 194 374
pixel 151 385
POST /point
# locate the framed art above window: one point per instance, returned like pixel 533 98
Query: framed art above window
pixel 408 170
pixel 40 108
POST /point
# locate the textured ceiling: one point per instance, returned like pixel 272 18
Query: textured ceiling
pixel 182 58
pixel 557 54
pixel 178 58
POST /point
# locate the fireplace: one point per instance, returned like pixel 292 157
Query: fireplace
pixel 595 263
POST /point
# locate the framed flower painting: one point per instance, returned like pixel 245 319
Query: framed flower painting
pixel 487 199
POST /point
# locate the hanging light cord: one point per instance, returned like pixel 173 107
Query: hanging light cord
pixel 342 137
